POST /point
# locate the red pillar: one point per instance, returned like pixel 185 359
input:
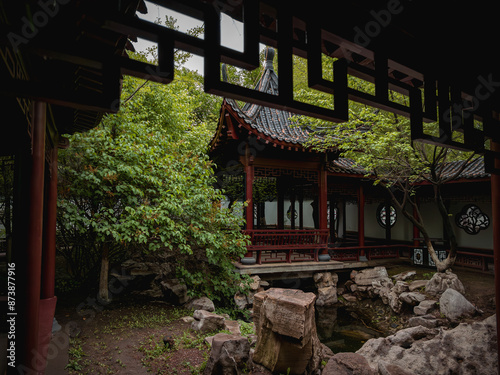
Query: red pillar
pixel 33 260
pixel 249 176
pixel 361 217
pixel 495 208
pixel 49 236
pixel 322 207
pixel 361 220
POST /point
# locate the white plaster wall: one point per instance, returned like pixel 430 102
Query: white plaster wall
pixel 351 216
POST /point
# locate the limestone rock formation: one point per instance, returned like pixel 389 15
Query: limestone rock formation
pixel 348 364
pixel 206 321
pixel 326 282
pixel 285 327
pixel 466 349
pixel 442 281
pixel 203 303
pixel 229 355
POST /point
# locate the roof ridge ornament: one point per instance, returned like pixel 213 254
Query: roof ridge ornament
pixel 269 58
pixel 224 73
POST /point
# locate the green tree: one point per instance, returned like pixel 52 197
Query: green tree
pixel 142 180
pixel 380 143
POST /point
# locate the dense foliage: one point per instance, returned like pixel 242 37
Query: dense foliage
pixel 141 181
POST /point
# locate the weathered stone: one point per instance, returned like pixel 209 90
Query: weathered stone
pixel 229 355
pixel 175 291
pixel 348 364
pixel 286 330
pixel 467 349
pixel 454 305
pixel 232 326
pixel 442 281
pixel 241 301
pixel 348 284
pixel 324 279
pixel 327 296
pixel 391 369
pixel 350 298
pixel 411 298
pixel 401 287
pixel 255 283
pixel 264 284
pixel 394 302
pixel 424 307
pixel 404 275
pixel 417 284
pixel 206 321
pixel 203 303
pixel 427 321
pixel 367 276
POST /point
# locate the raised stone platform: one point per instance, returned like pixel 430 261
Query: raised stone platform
pixel 303 269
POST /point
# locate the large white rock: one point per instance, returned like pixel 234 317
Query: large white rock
pixel 454 305
pixel 467 349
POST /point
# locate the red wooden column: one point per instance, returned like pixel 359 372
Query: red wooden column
pixel 495 208
pixel 361 220
pixel 323 207
pixel 33 252
pixel 249 177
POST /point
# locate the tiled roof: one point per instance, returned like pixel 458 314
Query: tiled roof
pixel 274 123
pixel 473 170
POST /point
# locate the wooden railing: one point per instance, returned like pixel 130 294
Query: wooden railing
pixel 278 246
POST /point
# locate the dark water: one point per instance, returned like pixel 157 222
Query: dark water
pixel 341 329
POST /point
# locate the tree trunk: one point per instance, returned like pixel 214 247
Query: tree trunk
pixel 103 280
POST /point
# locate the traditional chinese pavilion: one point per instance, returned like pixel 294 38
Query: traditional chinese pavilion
pixel 308 206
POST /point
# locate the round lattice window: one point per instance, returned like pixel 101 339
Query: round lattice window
pixel 381 216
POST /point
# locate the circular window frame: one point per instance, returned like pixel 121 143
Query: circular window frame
pixel 380 209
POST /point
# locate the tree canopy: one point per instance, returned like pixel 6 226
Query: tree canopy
pixel 142 181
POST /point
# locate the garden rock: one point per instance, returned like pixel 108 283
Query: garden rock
pixel 454 305
pixel 369 275
pixel 207 322
pixel 466 349
pixel 203 303
pixel 232 326
pixel 229 355
pixel 427 321
pixel 417 284
pixel 391 369
pixel 326 282
pixel 401 287
pixel 424 307
pixel 442 281
pixel 286 330
pixel 348 364
pixel 175 291
pixel 404 275
pixel 411 298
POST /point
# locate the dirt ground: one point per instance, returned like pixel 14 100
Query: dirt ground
pixel 127 336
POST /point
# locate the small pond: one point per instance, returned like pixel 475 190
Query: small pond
pixel 341 329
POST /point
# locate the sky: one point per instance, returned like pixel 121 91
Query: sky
pixel 231 31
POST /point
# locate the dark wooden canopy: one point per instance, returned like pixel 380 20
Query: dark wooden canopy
pixel 69 53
